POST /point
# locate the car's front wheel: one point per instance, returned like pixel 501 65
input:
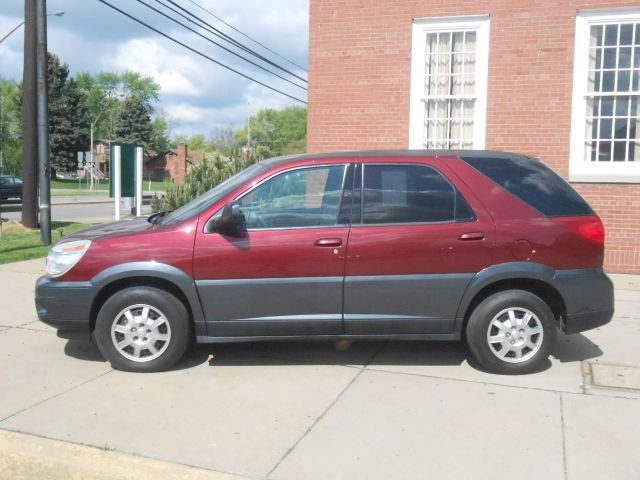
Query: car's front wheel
pixel 511 332
pixel 142 329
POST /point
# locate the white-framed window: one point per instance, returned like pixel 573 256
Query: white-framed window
pixel 605 140
pixel 449 63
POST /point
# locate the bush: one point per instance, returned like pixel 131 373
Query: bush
pixel 200 178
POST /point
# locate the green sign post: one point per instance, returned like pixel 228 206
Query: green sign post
pixel 127 169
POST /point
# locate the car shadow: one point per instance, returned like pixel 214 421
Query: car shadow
pixel 569 348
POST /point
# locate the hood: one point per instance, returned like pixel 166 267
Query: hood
pixel 111 230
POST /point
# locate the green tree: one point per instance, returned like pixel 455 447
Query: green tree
pixel 200 178
pixel 10 126
pixel 105 92
pixel 133 124
pixel 159 135
pixel 276 132
pixel 68 124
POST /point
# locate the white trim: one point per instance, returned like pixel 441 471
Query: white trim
pixel 422 26
pixel 579 169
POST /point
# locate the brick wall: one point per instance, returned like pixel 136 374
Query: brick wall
pixel 359 71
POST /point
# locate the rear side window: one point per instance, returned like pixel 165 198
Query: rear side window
pixel 409 194
pixel 534 183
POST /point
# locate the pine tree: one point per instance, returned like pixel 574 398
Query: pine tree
pixel 133 124
pixel 68 123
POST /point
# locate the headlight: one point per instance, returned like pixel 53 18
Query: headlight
pixel 64 256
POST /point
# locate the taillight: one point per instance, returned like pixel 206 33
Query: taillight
pixel 590 228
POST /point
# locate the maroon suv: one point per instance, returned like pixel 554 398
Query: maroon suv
pixel 491 247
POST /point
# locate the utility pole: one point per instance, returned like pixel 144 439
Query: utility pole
pixel 43 124
pixel 29 120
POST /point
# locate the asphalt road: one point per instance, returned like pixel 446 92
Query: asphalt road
pixel 77 212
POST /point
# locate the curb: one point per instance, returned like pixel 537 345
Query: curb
pixel 26 456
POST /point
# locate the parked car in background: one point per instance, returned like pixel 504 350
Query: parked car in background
pixel 10 187
pixel 492 248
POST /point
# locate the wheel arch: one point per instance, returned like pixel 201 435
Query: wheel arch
pixel 148 274
pixel 534 278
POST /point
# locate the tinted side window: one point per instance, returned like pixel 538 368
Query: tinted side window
pixel 305 197
pixel 534 183
pixel 406 194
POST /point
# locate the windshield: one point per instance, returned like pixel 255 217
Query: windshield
pixel 196 206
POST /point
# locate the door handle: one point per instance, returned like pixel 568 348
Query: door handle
pixel 472 236
pixel 328 242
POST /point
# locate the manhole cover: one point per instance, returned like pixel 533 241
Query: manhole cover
pixel 611 376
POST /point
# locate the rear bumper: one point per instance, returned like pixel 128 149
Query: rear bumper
pixel 65 306
pixel 588 297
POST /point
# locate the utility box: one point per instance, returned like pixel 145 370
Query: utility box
pixel 127 169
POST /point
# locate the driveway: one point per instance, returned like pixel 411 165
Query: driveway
pixel 388 410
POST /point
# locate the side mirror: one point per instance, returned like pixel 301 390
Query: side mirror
pixel 231 221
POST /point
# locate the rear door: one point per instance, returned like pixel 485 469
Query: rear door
pixel 284 275
pixel 414 245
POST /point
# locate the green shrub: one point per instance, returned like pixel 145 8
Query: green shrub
pixel 200 178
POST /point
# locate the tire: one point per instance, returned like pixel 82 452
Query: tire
pixel 511 332
pixel 120 320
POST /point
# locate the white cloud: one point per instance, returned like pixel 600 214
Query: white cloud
pixel 196 94
pixel 147 56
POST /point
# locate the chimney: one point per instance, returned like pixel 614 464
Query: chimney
pixel 182 155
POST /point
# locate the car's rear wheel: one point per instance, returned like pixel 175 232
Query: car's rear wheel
pixel 511 332
pixel 142 329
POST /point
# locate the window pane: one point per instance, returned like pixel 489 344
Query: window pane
pixel 622 106
pixel 620 128
pixel 596 35
pixel 619 151
pixel 606 125
pixel 406 194
pixel 623 80
pixel 604 152
pixel 624 58
pixel 611 34
pixel 626 34
pixel 608 81
pixel 308 197
pixel 534 183
pixel 609 58
pixel 606 106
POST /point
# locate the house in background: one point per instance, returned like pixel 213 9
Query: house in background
pixel 101 155
pixel 172 164
pixel 556 80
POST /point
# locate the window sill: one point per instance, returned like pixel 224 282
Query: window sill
pixel 596 177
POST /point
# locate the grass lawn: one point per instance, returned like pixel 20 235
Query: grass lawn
pixel 75 188
pixel 18 243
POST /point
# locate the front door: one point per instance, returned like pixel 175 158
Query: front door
pixel 413 248
pixel 284 275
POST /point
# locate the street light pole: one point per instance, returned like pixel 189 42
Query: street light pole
pixel 57 14
pixel 93 124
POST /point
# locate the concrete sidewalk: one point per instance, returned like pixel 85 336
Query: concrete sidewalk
pixel 385 410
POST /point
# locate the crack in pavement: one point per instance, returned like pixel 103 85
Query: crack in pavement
pixel 2 420
pixel 329 407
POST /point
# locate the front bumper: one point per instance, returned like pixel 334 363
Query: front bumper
pixel 588 297
pixel 65 306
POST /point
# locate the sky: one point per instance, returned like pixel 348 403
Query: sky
pixel 197 96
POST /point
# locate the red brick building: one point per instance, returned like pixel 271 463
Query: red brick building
pixel 172 164
pixel 559 80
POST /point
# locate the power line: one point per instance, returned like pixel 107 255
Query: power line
pixel 227 38
pixel 169 37
pixel 244 34
pixel 219 45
